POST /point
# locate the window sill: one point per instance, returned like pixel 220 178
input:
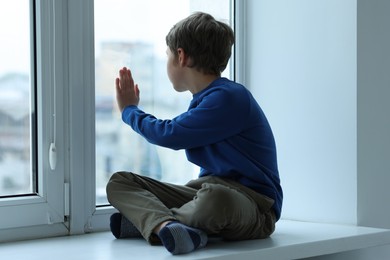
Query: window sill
pixel 291 240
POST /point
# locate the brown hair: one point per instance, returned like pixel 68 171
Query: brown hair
pixel 205 40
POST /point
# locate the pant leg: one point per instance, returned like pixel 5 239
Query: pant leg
pixel 228 209
pixel 144 201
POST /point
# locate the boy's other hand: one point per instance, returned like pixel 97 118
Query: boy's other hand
pixel 127 93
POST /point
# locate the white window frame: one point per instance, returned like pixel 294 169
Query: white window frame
pixel 81 66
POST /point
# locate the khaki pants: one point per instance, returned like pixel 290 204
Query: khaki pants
pixel 215 205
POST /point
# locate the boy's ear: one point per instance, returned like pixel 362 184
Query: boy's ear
pixel 183 58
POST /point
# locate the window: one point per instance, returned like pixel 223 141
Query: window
pixel 31 194
pixel 132 34
pixel 61 104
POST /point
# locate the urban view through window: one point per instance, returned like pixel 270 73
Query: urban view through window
pixel 15 99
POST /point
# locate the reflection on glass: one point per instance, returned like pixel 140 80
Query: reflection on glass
pixel 15 93
pixel 132 33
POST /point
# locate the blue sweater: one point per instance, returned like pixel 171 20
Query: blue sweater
pixel 224 132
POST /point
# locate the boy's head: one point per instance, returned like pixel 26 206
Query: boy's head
pixel 207 42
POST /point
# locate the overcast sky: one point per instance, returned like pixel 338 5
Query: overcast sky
pixel 131 24
pixel 115 20
pixel 14 36
pixel 119 20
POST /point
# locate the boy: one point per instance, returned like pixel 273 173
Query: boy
pixel 238 194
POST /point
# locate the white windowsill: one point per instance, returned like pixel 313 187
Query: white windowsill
pixel 291 240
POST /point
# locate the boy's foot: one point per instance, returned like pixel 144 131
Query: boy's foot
pixel 181 239
pixel 121 227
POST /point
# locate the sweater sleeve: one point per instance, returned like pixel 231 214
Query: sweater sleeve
pixel 214 118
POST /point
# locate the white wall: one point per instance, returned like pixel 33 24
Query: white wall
pixel 321 71
pixel 301 66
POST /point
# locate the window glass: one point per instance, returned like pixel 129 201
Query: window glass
pixel 16 95
pixel 132 33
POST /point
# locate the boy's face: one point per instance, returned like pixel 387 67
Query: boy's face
pixel 174 71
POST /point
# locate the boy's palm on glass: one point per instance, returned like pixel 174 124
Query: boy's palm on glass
pixel 127 93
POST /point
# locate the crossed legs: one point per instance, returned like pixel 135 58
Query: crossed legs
pixel 210 204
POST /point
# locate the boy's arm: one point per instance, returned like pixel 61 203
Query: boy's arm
pixel 218 116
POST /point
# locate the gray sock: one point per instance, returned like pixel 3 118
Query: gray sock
pixel 181 239
pixel 121 227
pixel 128 230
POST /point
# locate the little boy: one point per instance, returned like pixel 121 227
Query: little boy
pixel 238 194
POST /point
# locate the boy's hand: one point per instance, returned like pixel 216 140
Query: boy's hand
pixel 127 93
